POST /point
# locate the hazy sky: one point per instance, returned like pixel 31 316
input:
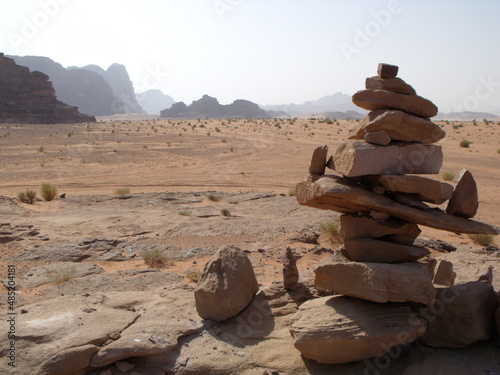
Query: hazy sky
pixel 271 51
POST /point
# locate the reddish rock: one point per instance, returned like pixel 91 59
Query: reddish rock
pixel 396 85
pixel 373 100
pixel 355 158
pixel 464 201
pixel 379 138
pixel 399 126
pixel 377 251
pixel 387 70
pixel 318 160
pixel 28 97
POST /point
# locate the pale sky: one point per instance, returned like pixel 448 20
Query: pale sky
pixel 271 51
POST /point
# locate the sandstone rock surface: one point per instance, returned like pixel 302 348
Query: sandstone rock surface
pixel 318 160
pixel 378 282
pixel 355 158
pixel 373 100
pixel 341 195
pixel 395 84
pixel 462 315
pixel 400 126
pixel 290 270
pixel 445 274
pixel 464 201
pixel 387 70
pixel 379 137
pixel 370 250
pixel 227 285
pixel 352 226
pixel 55 272
pixel 425 189
pixel 341 329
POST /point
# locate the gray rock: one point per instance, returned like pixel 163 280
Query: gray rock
pixel 227 285
pixel 342 329
pixel 56 272
pixel 290 270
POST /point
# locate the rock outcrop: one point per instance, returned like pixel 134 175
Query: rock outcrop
pixel 227 285
pixel 29 97
pixel 208 107
pixel 154 101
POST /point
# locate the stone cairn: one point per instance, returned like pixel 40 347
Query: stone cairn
pixel 379 275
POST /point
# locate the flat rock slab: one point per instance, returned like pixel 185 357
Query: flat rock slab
pixel 373 100
pixel 400 126
pixel 369 250
pixel 394 84
pixel 378 282
pixel 57 272
pixel 342 195
pixel 464 201
pixel 354 226
pixel 425 189
pixel 356 158
pixel 341 329
pixel 462 315
pixel 318 160
pixel 444 273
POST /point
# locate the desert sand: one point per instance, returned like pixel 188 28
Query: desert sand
pixel 181 175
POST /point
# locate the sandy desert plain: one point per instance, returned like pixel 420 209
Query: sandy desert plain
pixel 196 185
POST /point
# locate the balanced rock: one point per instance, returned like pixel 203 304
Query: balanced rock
pixel 461 315
pixel 373 100
pixel 395 84
pixel 445 274
pixel 342 195
pixel 424 188
pixel 378 282
pixel 399 126
pixel 352 226
pixel 379 138
pixel 355 158
pixel 227 285
pixel 370 250
pixel 387 70
pixel 318 160
pixel 464 201
pixel 290 270
pixel 341 329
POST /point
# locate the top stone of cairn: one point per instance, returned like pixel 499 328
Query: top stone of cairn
pixel 387 70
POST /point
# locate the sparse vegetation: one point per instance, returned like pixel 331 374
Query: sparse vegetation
pixel 48 192
pixel 156 259
pixel 465 143
pixel 40 149
pixel 194 276
pixel 482 239
pixel 27 196
pixel 122 191
pixel 213 197
pixel 292 191
pixel 62 274
pixel 225 212
pixel 331 229
pixel 448 176
pixel 185 212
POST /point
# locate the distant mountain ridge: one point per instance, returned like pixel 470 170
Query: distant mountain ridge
pixel 209 107
pixel 154 101
pixel 338 102
pixel 465 115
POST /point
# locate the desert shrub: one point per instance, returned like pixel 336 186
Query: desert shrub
pixel 62 274
pixel 332 229
pixel 482 239
pixel 48 192
pixel 185 212
pixel 28 196
pixel 155 258
pixel 122 191
pixel 213 197
pixel 225 212
pixel 40 149
pixel 292 191
pixel 193 275
pixel 448 176
pixel 465 143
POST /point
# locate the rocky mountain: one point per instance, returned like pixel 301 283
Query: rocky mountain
pixel 338 102
pixel 209 107
pixel 84 89
pixel 118 79
pixel 154 101
pixel 30 97
pixel 466 115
